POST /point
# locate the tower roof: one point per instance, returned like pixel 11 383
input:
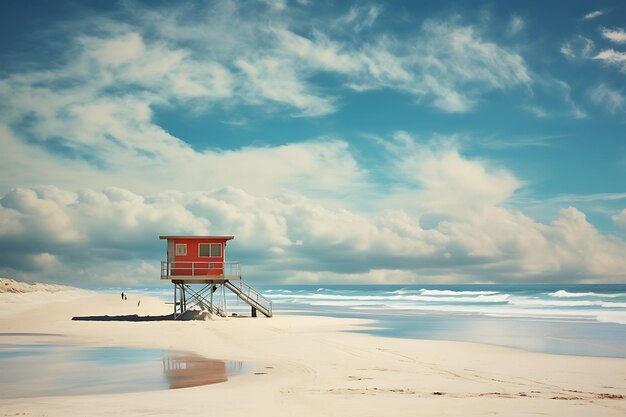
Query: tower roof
pixel 198 237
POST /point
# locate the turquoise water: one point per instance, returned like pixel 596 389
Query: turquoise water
pixel 563 319
pixel 50 369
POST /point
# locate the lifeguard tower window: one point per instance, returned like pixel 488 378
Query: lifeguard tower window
pixel 181 249
pixel 213 250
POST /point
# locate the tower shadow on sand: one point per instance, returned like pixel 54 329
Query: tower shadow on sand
pixel 188 315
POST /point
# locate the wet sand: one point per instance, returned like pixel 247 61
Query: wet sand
pixel 309 366
pixel 36 364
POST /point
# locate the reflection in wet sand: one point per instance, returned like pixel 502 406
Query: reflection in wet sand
pixel 187 370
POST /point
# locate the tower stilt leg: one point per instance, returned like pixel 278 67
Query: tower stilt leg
pixel 175 301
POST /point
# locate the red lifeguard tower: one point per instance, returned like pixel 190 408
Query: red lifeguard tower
pixel 201 260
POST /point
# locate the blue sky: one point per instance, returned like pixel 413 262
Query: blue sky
pixel 340 142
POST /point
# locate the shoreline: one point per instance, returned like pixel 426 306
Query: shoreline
pixel 311 365
pixel 568 319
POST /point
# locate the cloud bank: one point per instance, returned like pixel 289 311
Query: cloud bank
pixel 453 225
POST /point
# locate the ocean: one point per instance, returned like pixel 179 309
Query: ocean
pixel 587 320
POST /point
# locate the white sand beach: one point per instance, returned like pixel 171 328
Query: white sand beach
pixel 309 366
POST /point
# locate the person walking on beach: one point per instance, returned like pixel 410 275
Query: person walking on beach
pixel 138 302
pixel 122 296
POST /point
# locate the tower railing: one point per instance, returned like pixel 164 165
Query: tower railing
pixel 200 269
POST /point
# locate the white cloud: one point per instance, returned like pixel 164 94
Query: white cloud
pixel 273 79
pixel 581 246
pixel 613 57
pixel 448 183
pixel 537 111
pixel 45 260
pixel 580 47
pixel 615 35
pixel 359 17
pixel 610 99
pixel 593 14
pixel 41 212
pixel 516 24
pixel 457 55
pixel 586 46
pixel 276 5
pixel 565 91
pixel 10 222
pixel 566 50
pixel 321 53
pixel 128 60
pixel 578 198
pixel 374 276
pixel 620 219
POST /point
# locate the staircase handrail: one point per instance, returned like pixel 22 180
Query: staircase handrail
pixel 245 290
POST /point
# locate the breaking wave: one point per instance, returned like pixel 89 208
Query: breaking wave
pixel 567 294
pixel 450 292
pixel 499 298
pixel 495 301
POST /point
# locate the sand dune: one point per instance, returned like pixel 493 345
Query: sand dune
pixel 309 366
pixel 8 285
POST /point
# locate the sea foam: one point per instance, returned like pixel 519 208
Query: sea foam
pixel 566 294
pixel 496 298
pixel 450 292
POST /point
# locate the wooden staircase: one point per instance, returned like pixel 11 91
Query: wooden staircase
pixel 251 297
